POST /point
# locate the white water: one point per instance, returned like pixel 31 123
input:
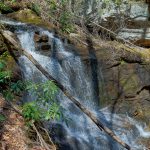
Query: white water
pixel 81 133
pixel 4 20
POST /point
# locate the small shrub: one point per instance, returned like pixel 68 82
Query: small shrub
pixel 17 87
pixel 5 8
pixel 65 22
pixel 8 94
pixel 36 8
pixel 5 75
pixel 7 87
pixel 31 111
pixel 52 4
pixel 44 106
pixel 2 118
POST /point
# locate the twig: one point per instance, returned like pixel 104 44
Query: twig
pixel 43 143
pixel 49 138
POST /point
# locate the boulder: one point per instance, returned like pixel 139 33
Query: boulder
pixel 123 76
pixel 28 16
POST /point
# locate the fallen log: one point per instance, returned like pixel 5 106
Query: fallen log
pixel 10 40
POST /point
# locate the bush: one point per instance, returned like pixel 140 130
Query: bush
pixel 31 111
pixel 5 8
pixel 7 87
pixel 65 22
pixel 5 75
pixel 2 118
pixel 44 106
pixel 36 8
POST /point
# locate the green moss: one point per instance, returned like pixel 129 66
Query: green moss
pixel 28 16
pixel 130 83
pixel 123 62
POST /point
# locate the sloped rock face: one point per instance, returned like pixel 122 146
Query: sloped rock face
pixel 124 85
pixel 121 76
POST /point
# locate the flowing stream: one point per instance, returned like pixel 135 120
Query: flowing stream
pixel 80 133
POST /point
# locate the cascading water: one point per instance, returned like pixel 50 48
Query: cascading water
pixel 66 67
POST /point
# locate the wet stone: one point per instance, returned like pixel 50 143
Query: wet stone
pixel 44 38
pixel 45 47
pixel 40 38
pixel 36 37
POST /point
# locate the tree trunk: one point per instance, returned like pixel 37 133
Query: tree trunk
pixel 9 39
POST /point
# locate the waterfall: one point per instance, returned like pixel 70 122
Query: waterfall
pixel 80 133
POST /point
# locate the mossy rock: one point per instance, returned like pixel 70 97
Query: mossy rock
pixel 28 16
pixel 25 15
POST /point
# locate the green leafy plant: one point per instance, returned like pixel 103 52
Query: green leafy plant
pixel 8 94
pixel 2 65
pixel 52 4
pixel 13 1
pixel 53 112
pixel 62 14
pixel 13 88
pixel 44 106
pixel 4 8
pixel 65 21
pixel 36 8
pixel 4 74
pixel 2 118
pixel 31 111
pixel 7 87
pixel 17 87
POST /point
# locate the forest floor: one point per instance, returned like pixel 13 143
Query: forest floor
pixel 13 135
